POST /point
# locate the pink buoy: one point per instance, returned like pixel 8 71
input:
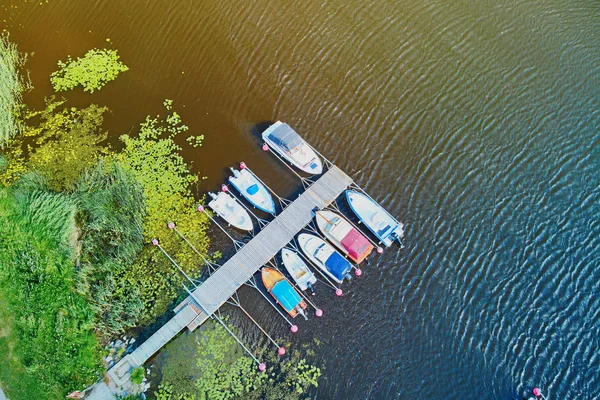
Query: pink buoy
pixel 265 147
pixel 242 165
pixel 201 208
pixel 338 292
pixel 294 328
pixel 262 367
pixel 155 242
pixel 380 250
pixel 281 351
pixel 171 225
pixel 319 312
pixel 358 272
pixel 537 392
pixel 224 188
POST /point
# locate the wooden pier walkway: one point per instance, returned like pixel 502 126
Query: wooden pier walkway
pixel 224 282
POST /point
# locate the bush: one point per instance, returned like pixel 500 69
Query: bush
pixel 110 215
pixel 138 375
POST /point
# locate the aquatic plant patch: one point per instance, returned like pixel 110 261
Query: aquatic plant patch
pixel 11 90
pixel 92 72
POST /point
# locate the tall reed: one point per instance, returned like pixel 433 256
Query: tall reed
pixel 11 90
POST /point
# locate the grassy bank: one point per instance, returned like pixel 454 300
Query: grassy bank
pixel 49 345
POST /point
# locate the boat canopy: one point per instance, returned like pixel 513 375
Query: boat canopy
pixel 338 265
pixel 356 244
pixel 286 295
pixel 284 136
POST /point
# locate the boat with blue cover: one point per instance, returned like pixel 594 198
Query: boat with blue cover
pixel 289 145
pixel 298 270
pixel 379 221
pixel 325 257
pixel 283 292
pixel 250 187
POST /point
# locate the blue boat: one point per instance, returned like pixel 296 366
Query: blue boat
pixel 379 221
pixel 283 292
pixel 255 192
pixel 323 255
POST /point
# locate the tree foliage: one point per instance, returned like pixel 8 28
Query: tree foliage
pixel 92 72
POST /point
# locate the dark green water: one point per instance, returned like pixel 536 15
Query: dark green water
pixel 476 122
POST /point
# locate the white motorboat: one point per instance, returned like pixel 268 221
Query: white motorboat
pixel 379 221
pixel 289 145
pixel 298 269
pixel 325 257
pixel 252 190
pixel 230 210
pixel 343 235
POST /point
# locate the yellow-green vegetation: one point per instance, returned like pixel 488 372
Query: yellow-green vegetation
pixel 210 365
pixel 11 90
pixel 152 158
pixel 58 142
pixel 50 346
pixel 92 72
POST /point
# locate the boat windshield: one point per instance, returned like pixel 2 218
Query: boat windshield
pixel 252 190
pixel 319 253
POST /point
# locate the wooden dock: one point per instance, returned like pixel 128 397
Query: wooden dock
pixel 224 282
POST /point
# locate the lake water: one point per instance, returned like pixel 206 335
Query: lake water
pixel 475 122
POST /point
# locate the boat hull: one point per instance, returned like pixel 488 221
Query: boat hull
pixel 320 253
pixel 253 190
pixel 282 291
pixel 343 235
pixel 306 160
pixel 298 269
pixel 373 216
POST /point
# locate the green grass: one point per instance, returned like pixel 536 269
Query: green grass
pixel 11 89
pixel 49 347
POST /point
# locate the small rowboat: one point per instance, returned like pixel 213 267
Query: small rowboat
pixel 343 235
pixel 283 292
pixel 298 270
pixel 379 221
pixel 289 145
pixel 230 210
pixel 252 190
pixel 325 257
